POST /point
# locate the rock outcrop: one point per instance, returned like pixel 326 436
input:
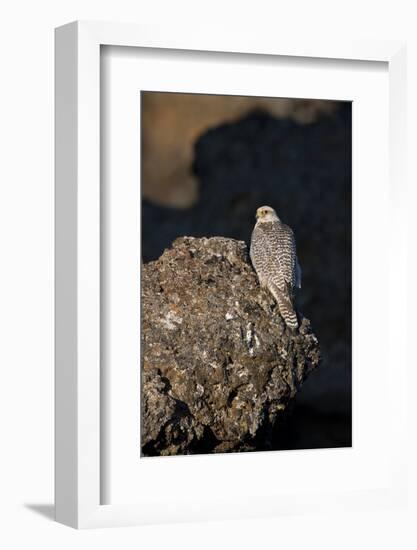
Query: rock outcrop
pixel 219 366
pixel 172 122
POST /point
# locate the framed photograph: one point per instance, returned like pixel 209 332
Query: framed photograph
pixel 229 323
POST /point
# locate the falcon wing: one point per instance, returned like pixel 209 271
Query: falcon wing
pixel 280 243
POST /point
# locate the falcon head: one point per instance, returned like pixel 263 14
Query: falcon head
pixel 266 214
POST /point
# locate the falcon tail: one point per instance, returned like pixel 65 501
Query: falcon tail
pixel 285 307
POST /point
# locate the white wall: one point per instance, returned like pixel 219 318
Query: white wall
pixel 26 272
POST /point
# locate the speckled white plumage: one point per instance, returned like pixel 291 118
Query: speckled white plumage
pixel 274 257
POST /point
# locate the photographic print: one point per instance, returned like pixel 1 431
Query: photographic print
pixel 246 274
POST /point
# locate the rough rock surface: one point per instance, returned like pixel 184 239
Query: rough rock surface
pixel 219 365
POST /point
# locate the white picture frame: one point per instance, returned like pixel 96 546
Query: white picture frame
pixel 78 406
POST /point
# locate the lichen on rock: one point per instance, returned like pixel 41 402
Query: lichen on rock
pixel 219 366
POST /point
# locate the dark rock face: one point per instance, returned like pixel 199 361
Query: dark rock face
pixel 219 365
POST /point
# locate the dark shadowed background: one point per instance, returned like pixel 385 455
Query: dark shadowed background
pixel 298 163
